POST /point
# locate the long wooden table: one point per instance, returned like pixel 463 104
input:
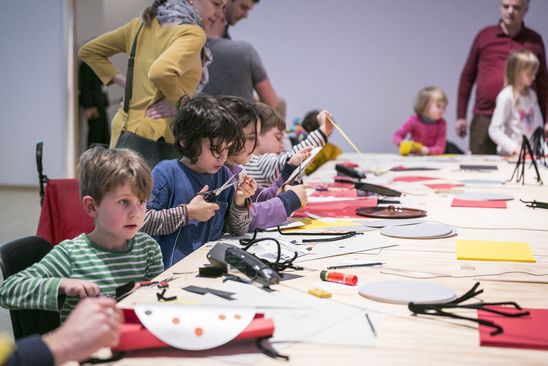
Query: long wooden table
pixel 403 338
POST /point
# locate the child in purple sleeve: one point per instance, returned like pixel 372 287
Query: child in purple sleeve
pixel 270 206
pixel 427 125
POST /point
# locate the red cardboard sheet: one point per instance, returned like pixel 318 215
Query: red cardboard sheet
pixel 411 178
pixel 338 209
pixel 478 204
pixel 524 332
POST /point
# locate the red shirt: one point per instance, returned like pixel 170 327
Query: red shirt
pixel 486 64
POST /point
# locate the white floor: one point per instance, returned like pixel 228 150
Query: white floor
pixel 19 216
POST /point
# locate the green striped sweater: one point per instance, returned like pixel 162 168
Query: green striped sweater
pixel 37 287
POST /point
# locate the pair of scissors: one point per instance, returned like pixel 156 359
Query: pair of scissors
pixel 211 196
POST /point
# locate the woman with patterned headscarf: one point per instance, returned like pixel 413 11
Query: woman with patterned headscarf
pixel 170 62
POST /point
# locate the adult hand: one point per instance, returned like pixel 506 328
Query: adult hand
pixel 93 324
pixel 80 288
pixel 91 113
pixel 300 191
pixel 301 156
pixel 199 209
pixel 461 127
pixel 161 109
pixel 325 124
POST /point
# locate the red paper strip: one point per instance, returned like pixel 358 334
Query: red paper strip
pixel 338 209
pixel 444 185
pixel 411 178
pixel 349 193
pixel 478 204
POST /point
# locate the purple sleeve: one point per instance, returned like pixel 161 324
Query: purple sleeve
pixel 400 134
pixel 441 139
pixel 267 214
pixel 31 351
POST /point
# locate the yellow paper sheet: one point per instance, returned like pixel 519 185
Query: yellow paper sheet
pixel 313 224
pixel 487 250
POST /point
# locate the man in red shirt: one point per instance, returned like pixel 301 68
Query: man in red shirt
pixel 485 67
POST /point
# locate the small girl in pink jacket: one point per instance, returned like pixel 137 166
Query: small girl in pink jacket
pixel 427 125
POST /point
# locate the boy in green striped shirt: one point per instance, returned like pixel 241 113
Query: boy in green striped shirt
pixel 115 186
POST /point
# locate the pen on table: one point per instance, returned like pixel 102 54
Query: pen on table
pixel 356 265
pixel 371 324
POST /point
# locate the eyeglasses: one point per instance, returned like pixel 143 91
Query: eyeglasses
pixel 438 309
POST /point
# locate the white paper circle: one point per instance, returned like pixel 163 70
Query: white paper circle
pixel 485 196
pixel 194 327
pixel 425 230
pixel 404 292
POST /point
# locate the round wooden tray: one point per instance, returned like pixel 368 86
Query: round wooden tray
pixel 390 212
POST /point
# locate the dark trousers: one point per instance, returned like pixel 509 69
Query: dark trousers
pixel 98 129
pixel 480 142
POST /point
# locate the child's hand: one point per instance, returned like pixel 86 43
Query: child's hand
pixel 199 209
pixel 246 188
pixel 300 191
pixel 80 288
pixel 424 150
pixel 301 156
pixel 325 125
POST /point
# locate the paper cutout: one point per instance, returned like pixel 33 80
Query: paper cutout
pixel 134 336
pixel 485 196
pixel 472 182
pixel 401 168
pixel 313 224
pixel 341 209
pixel 403 292
pixel 302 167
pixel 477 204
pixel 486 250
pixel 444 185
pixel 411 178
pixel 348 193
pixel 425 230
pixel 194 327
pixel 524 332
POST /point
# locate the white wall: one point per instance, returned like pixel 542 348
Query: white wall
pixel 364 60
pixel 34 94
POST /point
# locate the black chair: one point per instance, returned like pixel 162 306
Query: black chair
pixel 15 256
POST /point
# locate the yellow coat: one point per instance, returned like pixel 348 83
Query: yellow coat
pixel 167 64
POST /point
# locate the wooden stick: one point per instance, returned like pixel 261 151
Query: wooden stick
pixel 338 128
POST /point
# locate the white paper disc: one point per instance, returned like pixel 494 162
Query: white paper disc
pixel 404 292
pixel 194 327
pixel 485 196
pixel 425 230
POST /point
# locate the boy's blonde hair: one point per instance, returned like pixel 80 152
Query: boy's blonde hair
pixel 519 61
pixel 102 170
pixel 271 118
pixel 426 95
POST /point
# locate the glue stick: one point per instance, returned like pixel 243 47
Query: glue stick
pixel 344 278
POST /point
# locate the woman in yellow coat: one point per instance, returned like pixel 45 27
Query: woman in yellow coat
pixel 170 62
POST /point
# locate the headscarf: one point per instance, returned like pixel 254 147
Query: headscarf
pixel 182 12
